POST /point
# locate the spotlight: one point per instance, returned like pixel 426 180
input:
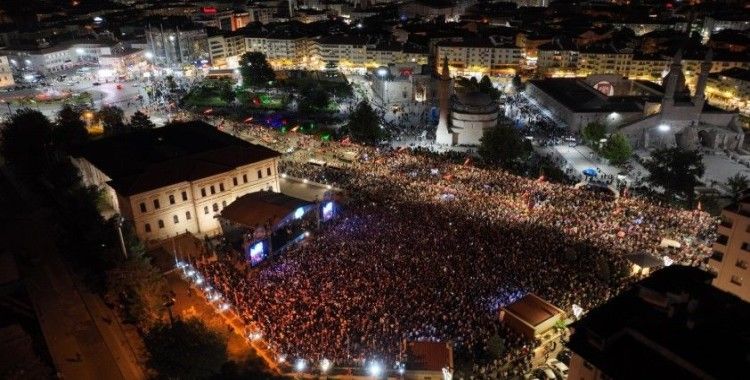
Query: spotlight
pixel 325 365
pixel 374 369
pixel 300 365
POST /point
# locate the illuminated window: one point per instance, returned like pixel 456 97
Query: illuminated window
pixel 737 280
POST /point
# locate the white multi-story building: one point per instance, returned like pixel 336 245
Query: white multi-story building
pixel 221 47
pixel 479 57
pixel 6 74
pixel 176 179
pixel 45 60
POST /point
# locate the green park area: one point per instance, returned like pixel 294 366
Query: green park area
pixel 223 93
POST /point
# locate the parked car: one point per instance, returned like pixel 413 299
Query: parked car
pixel 559 368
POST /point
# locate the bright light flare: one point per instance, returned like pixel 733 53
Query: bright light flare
pixel 325 365
pixel 375 369
pixel 300 365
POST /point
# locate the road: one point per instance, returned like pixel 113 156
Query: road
pixel 83 336
pixel 103 93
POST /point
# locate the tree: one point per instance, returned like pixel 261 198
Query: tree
pixel 185 349
pixel 112 120
pixel 139 286
pixel 502 145
pixel 255 70
pixel 313 98
pixel 140 120
pixel 517 83
pixel 485 86
pixel 617 149
pixel 26 139
pixel 593 132
pixel 69 130
pixel 171 84
pixel 676 170
pixel 737 185
pixel 364 125
pixel 226 91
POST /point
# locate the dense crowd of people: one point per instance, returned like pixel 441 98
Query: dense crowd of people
pixel 427 249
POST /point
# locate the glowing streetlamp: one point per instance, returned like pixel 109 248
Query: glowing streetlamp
pixel 325 365
pixel 375 369
pixel 300 365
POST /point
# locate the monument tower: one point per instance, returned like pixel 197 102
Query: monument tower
pixel 443 135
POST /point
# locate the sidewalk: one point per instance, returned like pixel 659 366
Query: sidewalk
pixel 193 304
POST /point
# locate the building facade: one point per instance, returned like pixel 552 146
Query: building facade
pixel 731 251
pixel 480 57
pixel 177 178
pixel 174 45
pixel 6 74
pixel 660 328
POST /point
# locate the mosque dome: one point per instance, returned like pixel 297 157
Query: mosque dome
pixel 475 102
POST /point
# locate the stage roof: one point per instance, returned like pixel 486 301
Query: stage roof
pixel 429 356
pixel 533 310
pixel 257 209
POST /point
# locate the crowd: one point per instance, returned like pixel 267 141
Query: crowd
pixel 430 249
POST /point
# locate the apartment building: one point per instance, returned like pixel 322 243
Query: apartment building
pixel 6 74
pixel 222 46
pixel 480 57
pixel 671 325
pixel 176 42
pixel 174 179
pixel 731 251
pixel 558 55
pixel 347 52
pixel 730 89
pixel 284 48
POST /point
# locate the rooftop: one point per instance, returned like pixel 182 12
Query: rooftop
pixel 261 207
pixel 146 160
pixel 580 97
pixel 429 356
pixel 533 310
pixel 667 320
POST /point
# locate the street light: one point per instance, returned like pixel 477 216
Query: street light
pixel 149 55
pixel 325 365
pixel 663 128
pixel 300 365
pixel 375 369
